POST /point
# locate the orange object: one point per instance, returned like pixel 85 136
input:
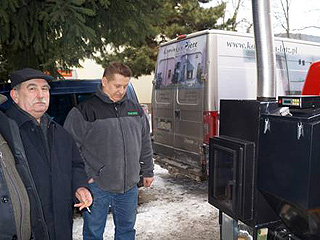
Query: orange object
pixel 312 83
pixel 210 121
pixel 67 73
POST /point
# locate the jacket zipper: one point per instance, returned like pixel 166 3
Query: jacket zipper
pixel 17 193
pixel 50 137
pixel 124 148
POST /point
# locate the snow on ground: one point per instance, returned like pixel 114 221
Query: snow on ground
pixel 173 208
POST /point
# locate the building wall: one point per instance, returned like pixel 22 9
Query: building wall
pixel 90 70
pixel 143 87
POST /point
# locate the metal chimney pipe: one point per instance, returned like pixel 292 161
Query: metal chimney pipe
pixel 265 51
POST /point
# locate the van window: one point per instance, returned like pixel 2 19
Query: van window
pixel 61 104
pixel 182 71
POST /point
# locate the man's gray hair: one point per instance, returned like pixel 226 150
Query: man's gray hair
pixel 17 87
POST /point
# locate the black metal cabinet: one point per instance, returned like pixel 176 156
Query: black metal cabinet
pixel 289 169
pixel 289 159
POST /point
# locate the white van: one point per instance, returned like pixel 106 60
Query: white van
pixel 194 72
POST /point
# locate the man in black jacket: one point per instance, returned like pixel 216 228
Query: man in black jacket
pixel 54 160
pixel 113 135
pixel 15 206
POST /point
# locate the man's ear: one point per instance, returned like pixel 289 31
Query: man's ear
pixel 104 81
pixel 14 95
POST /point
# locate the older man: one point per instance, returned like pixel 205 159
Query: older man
pixel 54 160
pixel 113 134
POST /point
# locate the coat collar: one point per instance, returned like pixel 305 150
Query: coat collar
pixel 104 97
pixel 3 98
pixel 21 116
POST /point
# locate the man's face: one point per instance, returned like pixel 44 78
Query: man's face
pixel 32 96
pixel 115 88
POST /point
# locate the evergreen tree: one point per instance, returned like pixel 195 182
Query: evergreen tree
pixel 177 17
pixel 50 34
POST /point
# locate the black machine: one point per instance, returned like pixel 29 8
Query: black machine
pixel 265 167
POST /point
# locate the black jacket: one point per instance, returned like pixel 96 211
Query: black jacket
pixel 14 201
pixel 57 169
pixel 114 139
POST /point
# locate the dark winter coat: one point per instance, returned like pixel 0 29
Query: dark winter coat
pixel 56 167
pixel 114 139
pixel 14 201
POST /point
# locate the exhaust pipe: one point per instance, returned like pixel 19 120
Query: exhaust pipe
pixel 265 51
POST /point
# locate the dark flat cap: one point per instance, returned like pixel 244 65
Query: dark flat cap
pixel 27 74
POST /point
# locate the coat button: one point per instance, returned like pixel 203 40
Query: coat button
pixel 14 237
pixel 5 199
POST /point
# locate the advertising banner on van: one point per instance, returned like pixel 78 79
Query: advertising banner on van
pixel 182 64
pixel 293 60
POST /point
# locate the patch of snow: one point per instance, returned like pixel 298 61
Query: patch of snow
pixel 172 208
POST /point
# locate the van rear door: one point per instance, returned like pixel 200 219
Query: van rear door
pixel 178 101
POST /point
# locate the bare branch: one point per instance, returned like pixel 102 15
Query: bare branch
pixel 304 28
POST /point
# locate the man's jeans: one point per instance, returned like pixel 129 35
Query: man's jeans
pixel 123 207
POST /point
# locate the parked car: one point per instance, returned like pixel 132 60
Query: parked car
pixel 66 94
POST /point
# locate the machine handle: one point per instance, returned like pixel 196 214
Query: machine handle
pixel 300 131
pixel 266 125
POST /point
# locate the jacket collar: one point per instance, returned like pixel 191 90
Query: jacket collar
pixel 21 116
pixel 104 97
pixel 3 98
pixel 5 130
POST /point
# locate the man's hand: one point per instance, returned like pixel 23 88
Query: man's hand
pixel 84 197
pixel 147 181
pixel 91 180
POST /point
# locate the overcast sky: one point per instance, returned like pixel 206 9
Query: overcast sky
pixel 306 13
pixel 303 13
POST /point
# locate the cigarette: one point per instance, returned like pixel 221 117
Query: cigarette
pixel 88 209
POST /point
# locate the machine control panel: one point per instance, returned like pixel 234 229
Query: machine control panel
pixel 299 101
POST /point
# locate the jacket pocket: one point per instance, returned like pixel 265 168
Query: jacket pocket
pixel 98 170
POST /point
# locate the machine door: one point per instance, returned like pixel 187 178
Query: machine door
pixel 231 173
